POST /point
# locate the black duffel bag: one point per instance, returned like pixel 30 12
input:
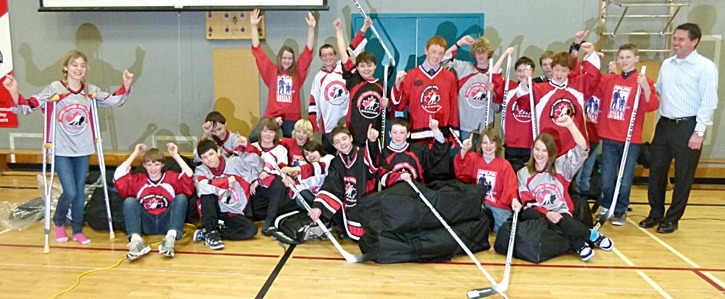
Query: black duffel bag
pixel 95 211
pixel 536 240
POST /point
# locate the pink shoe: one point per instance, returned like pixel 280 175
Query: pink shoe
pixel 60 235
pixel 81 238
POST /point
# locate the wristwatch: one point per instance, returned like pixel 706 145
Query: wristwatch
pixel 700 133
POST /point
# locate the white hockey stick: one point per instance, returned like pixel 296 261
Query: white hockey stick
pixel 349 257
pixel 534 119
pixel 622 163
pixel 493 289
pixel 487 115
pixel 504 285
pixel 385 48
pixel 505 99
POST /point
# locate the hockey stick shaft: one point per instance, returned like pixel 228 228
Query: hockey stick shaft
pixel 503 286
pixel 453 234
pixel 375 32
pixel 505 99
pixel 623 162
pixel 487 116
pixel 534 119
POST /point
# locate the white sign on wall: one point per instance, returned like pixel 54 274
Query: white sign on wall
pixel 55 5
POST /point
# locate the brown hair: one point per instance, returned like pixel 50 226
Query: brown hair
pixel 367 57
pixel 630 47
pixel 215 117
pixel 693 31
pixel 401 121
pixel 326 46
pixel 563 59
pixel 269 124
pixel 494 137
pixel 70 56
pixel 339 129
pixel 545 55
pixel 526 61
pixel 292 71
pixel 154 155
pixel 436 40
pixel 550 144
pixel 481 45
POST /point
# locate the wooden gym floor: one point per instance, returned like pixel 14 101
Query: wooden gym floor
pixel 644 264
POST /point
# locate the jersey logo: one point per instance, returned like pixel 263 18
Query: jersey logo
pixel 557 108
pixel 73 119
pixel 350 191
pixel 476 95
pixel 336 93
pixel 592 109
pixel 368 104
pixel 284 89
pixel 619 102
pixel 520 115
pixel 153 202
pixel 549 196
pixel 429 99
pixel 487 178
pixel 405 167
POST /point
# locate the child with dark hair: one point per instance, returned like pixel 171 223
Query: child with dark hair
pixel 215 129
pixel 351 176
pixel 401 160
pixel 224 189
pixel 544 188
pixel 487 167
pixel 156 200
pixel 366 92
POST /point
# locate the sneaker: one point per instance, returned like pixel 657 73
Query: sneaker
pixel 136 249
pixel 603 242
pixel 60 234
pixel 199 235
pixel 619 220
pixel 602 214
pixel 213 240
pixel 167 246
pixel 585 252
pixel 81 238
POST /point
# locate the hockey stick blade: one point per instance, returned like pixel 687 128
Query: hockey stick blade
pixel 481 293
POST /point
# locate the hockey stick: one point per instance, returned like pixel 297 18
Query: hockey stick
pixel 534 119
pixel 48 148
pixel 101 161
pixel 504 285
pixel 491 290
pixel 364 15
pixel 487 115
pixel 505 99
pixel 618 185
pixel 385 95
pixel 349 257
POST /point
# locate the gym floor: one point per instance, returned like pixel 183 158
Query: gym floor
pixel 644 264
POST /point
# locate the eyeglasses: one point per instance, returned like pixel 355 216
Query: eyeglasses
pixel 327 55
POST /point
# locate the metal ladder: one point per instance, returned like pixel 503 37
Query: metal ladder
pixel 661 12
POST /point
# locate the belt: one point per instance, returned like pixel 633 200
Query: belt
pixel 678 120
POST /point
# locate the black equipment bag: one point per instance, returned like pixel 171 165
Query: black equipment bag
pixel 536 240
pixel 399 209
pixel 582 211
pixel 432 245
pixel 95 211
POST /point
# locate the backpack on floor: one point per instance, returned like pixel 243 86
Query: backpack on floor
pixel 295 228
pixel 536 241
pixel 582 211
pixel 95 211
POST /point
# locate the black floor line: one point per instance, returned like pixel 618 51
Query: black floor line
pixel 275 272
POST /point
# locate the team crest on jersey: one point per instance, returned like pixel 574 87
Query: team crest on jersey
pixel 592 109
pixel 284 89
pixel 350 191
pixel 74 118
pixel 430 98
pixel 476 95
pixel 405 167
pixel 557 108
pixel 549 196
pixel 369 104
pixel 619 102
pixel 520 115
pixel 232 199
pixel 336 93
pixel 487 178
pixel 154 202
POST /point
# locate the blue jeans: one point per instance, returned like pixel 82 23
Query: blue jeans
pixel 585 173
pixel 466 134
pixel 139 221
pixel 287 127
pixel 611 157
pixel 499 216
pixel 72 173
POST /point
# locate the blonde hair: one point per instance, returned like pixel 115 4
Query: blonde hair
pixel 481 45
pixel 303 125
pixel 70 56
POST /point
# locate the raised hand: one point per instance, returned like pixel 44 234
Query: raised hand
pixel 366 24
pixel 580 36
pixel 432 123
pixel 372 133
pixel 509 51
pixel 399 77
pixel 279 120
pixel 173 149
pixel 206 129
pixel 140 148
pixel 467 144
pixel 588 47
pixel 311 22
pixel 337 24
pixel 127 79
pixel 612 67
pixel 466 40
pixel 564 120
pixel 255 17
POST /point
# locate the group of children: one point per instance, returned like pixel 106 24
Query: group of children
pixel 547 126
